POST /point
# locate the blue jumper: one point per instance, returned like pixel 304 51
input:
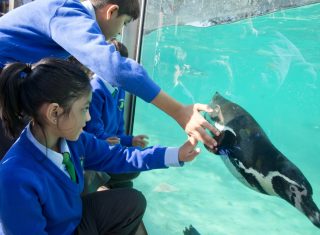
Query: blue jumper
pixel 36 197
pixel 106 111
pixel 60 28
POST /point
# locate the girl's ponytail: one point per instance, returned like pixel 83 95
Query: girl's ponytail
pixel 11 80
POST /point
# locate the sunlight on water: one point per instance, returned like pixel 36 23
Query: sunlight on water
pixel 269 65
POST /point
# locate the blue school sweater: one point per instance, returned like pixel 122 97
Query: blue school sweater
pixel 60 28
pixel 106 111
pixel 36 197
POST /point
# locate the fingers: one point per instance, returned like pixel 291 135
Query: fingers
pixel 193 141
pixel 143 136
pixel 203 107
pixel 200 132
pixel 191 155
pixel 201 135
pixel 113 140
pixel 195 152
pixel 207 125
pixel 188 151
pixel 195 124
pixel 204 123
pixel 140 141
pixel 143 144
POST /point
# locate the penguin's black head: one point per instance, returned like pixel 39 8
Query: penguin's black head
pixel 298 194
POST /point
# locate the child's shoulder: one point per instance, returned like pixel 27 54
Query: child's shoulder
pixel 16 167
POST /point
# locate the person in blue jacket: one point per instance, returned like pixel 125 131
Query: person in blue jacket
pixel 60 28
pixel 107 109
pixel 41 176
pixel 107 123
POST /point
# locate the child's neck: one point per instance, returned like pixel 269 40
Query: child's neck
pixel 44 138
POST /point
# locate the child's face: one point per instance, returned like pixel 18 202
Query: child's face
pixel 110 22
pixel 71 125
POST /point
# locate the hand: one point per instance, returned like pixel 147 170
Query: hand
pixel 140 141
pixel 188 118
pixel 113 140
pixel 188 152
pixel 194 124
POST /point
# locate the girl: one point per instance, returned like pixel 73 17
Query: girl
pixel 41 176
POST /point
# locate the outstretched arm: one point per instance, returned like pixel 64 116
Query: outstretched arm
pixel 188 118
pixel 103 59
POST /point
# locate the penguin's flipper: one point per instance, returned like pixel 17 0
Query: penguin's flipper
pixel 190 231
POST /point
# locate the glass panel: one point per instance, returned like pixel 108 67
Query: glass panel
pixel 267 64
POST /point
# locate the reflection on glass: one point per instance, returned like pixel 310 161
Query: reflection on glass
pixel 270 66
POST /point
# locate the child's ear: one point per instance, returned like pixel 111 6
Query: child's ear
pixel 112 11
pixel 53 112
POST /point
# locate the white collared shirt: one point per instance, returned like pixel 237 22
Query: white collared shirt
pixel 53 156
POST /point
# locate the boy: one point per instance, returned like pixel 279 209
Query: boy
pixel 60 28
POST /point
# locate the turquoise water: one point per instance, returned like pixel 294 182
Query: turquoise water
pixel 270 65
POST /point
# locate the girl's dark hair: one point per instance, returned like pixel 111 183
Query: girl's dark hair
pixel 24 88
pixel 126 7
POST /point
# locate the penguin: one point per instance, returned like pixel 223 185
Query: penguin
pixel 251 157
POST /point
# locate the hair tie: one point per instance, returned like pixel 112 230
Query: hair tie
pixel 28 68
pixel 26 71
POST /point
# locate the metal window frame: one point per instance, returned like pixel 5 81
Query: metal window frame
pixel 132 36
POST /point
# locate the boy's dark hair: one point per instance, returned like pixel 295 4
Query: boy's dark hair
pixel 126 7
pixel 123 50
pixel 24 88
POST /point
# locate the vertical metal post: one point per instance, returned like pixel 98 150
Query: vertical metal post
pixel 132 37
pixel 14 4
pixel 11 4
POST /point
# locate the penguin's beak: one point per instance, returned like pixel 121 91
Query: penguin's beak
pixel 310 209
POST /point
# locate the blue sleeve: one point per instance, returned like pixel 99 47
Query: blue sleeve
pixel 100 156
pixel 20 204
pixel 96 125
pixel 73 29
pixel 126 140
